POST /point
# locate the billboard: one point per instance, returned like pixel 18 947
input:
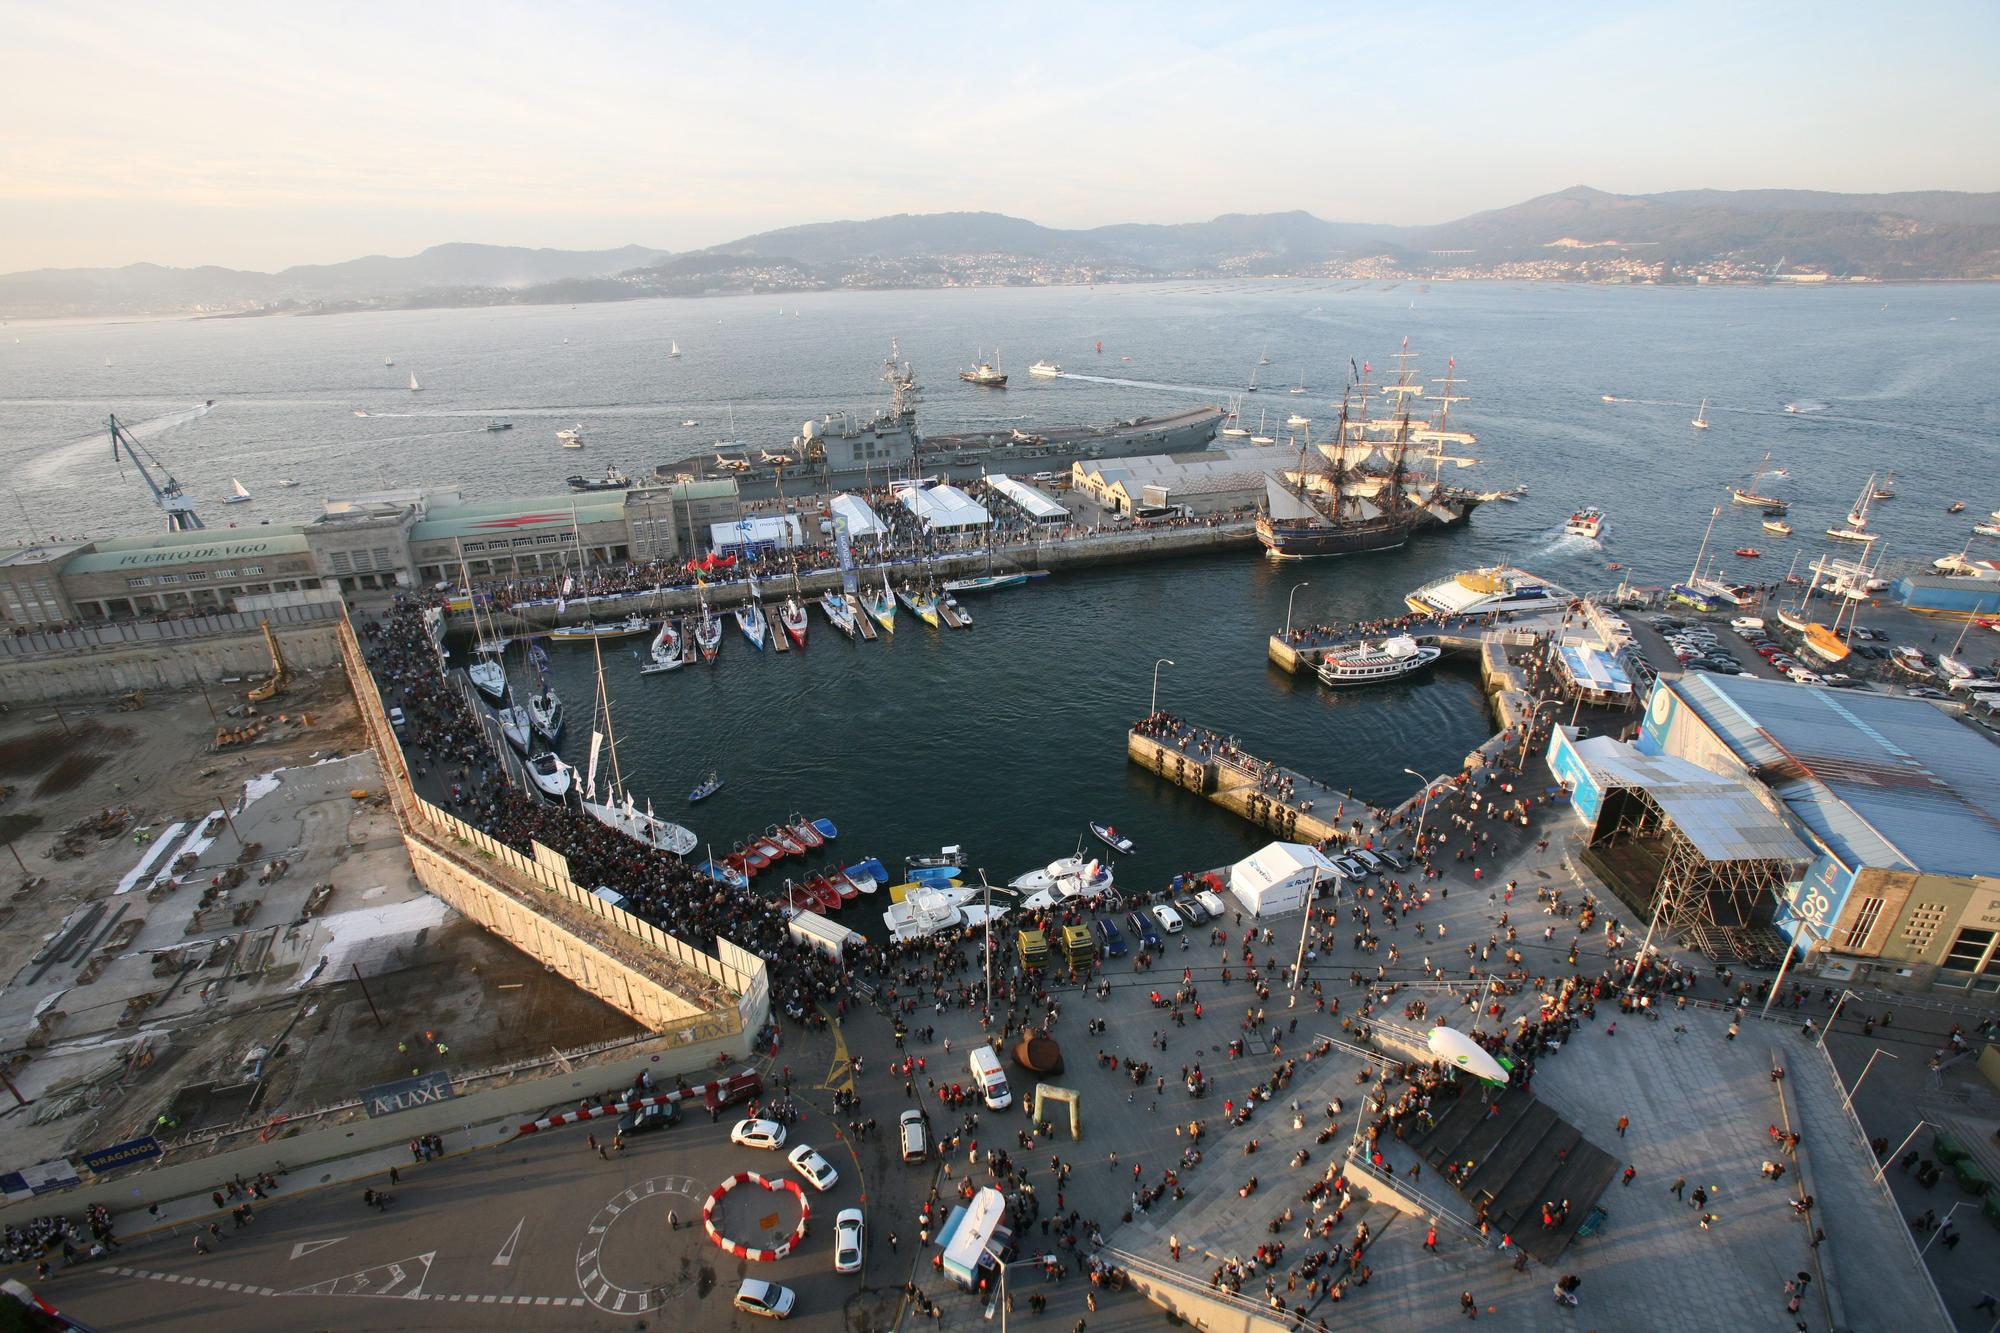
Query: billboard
pixel 405 1093
pixel 1585 795
pixel 38 1179
pixel 1815 902
pixel 1660 710
pixel 121 1154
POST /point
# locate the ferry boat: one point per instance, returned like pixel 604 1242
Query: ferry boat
pixel 1371 664
pixel 986 375
pixel 611 629
pixel 1497 590
pixel 1045 370
pixel 1585 523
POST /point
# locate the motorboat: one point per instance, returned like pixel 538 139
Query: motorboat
pixel 1585 523
pixel 724 874
pixel 1370 664
pixel 1955 507
pixel 706 788
pixel 499 425
pixel 867 875
pixel 551 776
pixel 804 833
pixel 1779 526
pixel 1045 370
pixel 948 603
pixel 750 619
pixel 666 652
pixel 792 617
pixel 1064 880
pixel 927 913
pixel 545 713
pixel 1987 529
pixel 838 613
pixel 285 483
pixel 1112 838
pixel 611 629
pixel 1748 552
pixel 782 839
pixel 641 826
pixel 571 438
pixel 950 856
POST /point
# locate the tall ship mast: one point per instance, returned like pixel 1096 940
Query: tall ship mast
pixel 1748 494
pixel 1369 489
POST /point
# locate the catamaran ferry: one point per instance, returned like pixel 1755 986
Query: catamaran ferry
pixel 1500 590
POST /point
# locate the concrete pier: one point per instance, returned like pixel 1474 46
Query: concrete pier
pixel 1234 780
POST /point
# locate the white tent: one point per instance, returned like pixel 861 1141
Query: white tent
pixel 862 523
pixel 1277 878
pixel 778 530
pixel 940 507
pixel 1037 506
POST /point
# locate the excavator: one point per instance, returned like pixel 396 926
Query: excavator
pixel 281 671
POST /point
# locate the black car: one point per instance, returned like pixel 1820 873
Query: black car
pixel 643 1118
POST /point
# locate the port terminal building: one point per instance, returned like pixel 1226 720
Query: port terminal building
pixel 385 539
pixel 1860 830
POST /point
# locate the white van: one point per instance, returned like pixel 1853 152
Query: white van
pixel 990 1079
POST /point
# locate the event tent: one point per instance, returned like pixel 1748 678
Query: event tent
pixel 1276 878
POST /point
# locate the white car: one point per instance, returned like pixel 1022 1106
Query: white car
pixel 848 1232
pixel 766 1134
pixel 1804 675
pixel 1212 901
pixel 1170 920
pixel 819 1172
pixel 765 1298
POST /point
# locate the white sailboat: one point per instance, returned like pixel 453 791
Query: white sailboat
pixel 1300 387
pixel 237 495
pixel 618 810
pixel 1856 527
pixel 673 349
pixel 414 386
pixel 666 651
pixel 388 360
pixel 1260 437
pixel 1700 421
pixel 488 674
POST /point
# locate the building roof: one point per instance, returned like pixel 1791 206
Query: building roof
pixel 41 553
pixel 944 507
pixel 861 520
pixel 501 518
pixel 1036 505
pixel 1885 781
pixel 1721 816
pixel 165 550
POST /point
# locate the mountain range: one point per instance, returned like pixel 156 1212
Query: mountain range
pixel 1578 232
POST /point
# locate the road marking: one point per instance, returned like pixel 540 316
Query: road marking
pixel 306 1247
pixel 840 1071
pixel 506 1255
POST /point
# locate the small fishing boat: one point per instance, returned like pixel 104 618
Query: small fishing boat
pixel 817 885
pixel 792 617
pixel 804 833
pixel 827 828
pixel 1779 526
pixel 499 425
pixel 750 619
pixel 770 848
pixel 1112 838
pixel 723 874
pixel 783 840
pixel 1748 552
pixel 842 885
pixel 706 788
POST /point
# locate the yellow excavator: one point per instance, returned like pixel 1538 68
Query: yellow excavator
pixel 281 672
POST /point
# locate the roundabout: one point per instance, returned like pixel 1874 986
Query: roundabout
pixel 764 1185
pixel 648 1262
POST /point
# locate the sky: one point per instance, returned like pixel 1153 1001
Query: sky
pixel 257 136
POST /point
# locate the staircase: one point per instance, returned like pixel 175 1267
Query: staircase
pixel 1522 1154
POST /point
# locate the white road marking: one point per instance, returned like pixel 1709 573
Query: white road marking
pixel 506 1255
pixel 306 1247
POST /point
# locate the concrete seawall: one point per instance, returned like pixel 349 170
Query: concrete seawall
pixel 107 671
pixel 1234 786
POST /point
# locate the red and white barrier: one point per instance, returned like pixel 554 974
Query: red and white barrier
pixel 618 1108
pixel 737 1248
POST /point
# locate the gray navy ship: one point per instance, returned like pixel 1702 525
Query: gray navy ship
pixel 841 452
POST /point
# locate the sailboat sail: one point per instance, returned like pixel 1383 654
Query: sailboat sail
pixel 237 486
pixel 539 660
pixel 414 386
pixel 1285 506
pixel 590 774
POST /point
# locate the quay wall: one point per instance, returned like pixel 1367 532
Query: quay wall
pixel 1233 788
pixel 108 668
pixel 1193 1303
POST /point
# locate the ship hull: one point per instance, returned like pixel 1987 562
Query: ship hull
pixel 1307 540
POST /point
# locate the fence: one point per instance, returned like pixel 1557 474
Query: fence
pixel 142 633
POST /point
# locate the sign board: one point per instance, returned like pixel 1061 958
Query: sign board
pixel 406 1093
pixel 39 1179
pixel 1815 901
pixel 121 1154
pixel 1586 796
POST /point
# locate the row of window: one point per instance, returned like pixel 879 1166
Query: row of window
pixel 193 576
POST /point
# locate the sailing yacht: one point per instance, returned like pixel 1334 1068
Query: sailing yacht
pixel 237 495
pixel 618 810
pixel 414 386
pixel 665 654
pixel 1255 370
pixel 923 605
pixel 881 606
pixel 673 349
pixel 1260 437
pixel 838 613
pixel 1856 527
pixel 545 707
pixel 792 616
pixel 1700 421
pixel 388 360
pixel 1887 490
pixel 1234 430
pixel 708 631
pixel 1748 494
pixel 489 673
pixel 1300 387
pixel 750 619
pixel 1265 358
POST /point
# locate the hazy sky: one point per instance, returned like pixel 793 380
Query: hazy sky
pixel 257 136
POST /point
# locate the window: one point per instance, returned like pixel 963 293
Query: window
pixel 1864 924
pixel 197 576
pixel 250 570
pixel 1970 950
pixel 225 573
pixel 169 578
pixel 143 581
pixel 1922 927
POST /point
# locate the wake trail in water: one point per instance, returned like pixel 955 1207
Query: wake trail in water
pixel 66 455
pixel 1195 389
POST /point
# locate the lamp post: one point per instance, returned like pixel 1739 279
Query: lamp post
pixel 1845 996
pixel 1899 1147
pixel 1288 606
pixel 988 898
pixel 1528 736
pixel 1164 661
pixel 1848 1094
pixel 1424 811
pixel 1000 1301
pixel 1940 1228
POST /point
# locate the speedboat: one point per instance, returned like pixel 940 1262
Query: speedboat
pixel 706 788
pixel 867 875
pixel 927 912
pixel 1779 526
pixel 1585 523
pixel 641 826
pixel 1112 838
pixel 750 619
pixel 1748 552
pixel 804 833
pixel 950 603
pixel 545 713
pixel 551 776
pixel 793 617
pixel 1060 881
pixel 949 856
pixel 838 613
pixel 1955 507
pixel 571 438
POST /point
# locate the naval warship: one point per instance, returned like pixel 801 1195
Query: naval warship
pixel 842 452
pixel 1366 489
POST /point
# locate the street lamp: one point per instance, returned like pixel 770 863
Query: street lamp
pixel 1848 1094
pixel 1000 1301
pixel 1288 606
pixel 1164 661
pixel 1845 996
pixel 1528 734
pixel 1899 1147
pixel 1425 810
pixel 1940 1229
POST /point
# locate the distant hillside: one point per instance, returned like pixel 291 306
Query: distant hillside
pixel 1578 232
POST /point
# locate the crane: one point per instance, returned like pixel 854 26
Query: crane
pixel 281 670
pixel 166 491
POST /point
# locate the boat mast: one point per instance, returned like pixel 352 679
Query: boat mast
pixel 1695 573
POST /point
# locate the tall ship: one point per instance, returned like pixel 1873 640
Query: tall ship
pixel 1376 482
pixel 841 451
pixel 1749 494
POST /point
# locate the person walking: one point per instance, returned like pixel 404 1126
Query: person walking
pixel 1467 1304
pixel 1624 1123
pixel 1630 1172
pixel 1680 1183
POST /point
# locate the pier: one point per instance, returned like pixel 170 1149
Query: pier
pixel 1285 803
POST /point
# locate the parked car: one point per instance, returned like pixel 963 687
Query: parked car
pixel 1193 911
pixel 849 1231
pixel 1170 920
pixel 1142 930
pixel 1109 941
pixel 766 1134
pixel 765 1298
pixel 640 1119
pixel 913 1134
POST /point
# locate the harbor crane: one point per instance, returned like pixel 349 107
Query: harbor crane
pixel 166 491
